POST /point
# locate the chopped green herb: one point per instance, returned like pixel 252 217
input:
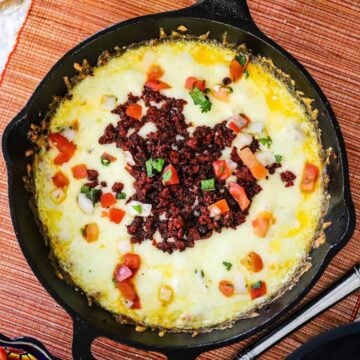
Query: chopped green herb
pixel 241 59
pixel 256 285
pixel 207 90
pixel 166 175
pixel 137 208
pixel 246 74
pixel 149 168
pixel 231 90
pixel 208 185
pixel 202 273
pixel 94 195
pixel 105 162
pixel 121 196
pixel 201 99
pixel 154 164
pixel 227 265
pixel 278 158
pixel 84 189
pixel 266 141
pixel 158 164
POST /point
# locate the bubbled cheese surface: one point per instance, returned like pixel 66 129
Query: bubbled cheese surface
pixel 193 274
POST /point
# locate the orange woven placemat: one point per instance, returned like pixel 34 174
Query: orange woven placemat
pixel 323 35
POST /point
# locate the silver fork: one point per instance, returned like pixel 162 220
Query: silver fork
pixel 341 289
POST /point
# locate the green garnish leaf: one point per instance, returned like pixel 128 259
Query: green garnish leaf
pixel 256 285
pixel 166 175
pixel 158 164
pixel 208 185
pixel 278 158
pixel 241 59
pixel 246 74
pixel 84 189
pixel 94 195
pixel 121 196
pixel 266 141
pixel 137 208
pixel 202 273
pixel 227 265
pixel 149 168
pixel 201 99
pixel 105 162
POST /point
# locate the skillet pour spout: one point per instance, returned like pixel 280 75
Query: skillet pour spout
pixel 217 17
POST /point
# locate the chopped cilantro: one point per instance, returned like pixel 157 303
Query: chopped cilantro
pixel 154 164
pixel 208 185
pixel 84 189
pixel 201 99
pixel 241 59
pixel 121 196
pixel 166 175
pixel 137 208
pixel 91 193
pixel 278 158
pixel 266 141
pixel 227 265
pixel 256 285
pixel 246 74
pixel 202 273
pixel 105 162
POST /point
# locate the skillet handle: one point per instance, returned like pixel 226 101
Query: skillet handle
pixel 229 9
pixel 83 336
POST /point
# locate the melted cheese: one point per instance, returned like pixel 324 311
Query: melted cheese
pixel 196 301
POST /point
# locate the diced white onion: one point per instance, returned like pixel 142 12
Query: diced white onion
pixel 109 102
pixel 129 158
pixel 147 129
pixel 215 211
pixel 239 283
pixel 266 157
pixel 128 303
pixel 145 208
pixel 231 164
pixel 124 246
pixel 163 216
pixel 157 236
pixel 85 204
pixel 179 137
pixel 69 133
pixel 255 127
pixel 242 140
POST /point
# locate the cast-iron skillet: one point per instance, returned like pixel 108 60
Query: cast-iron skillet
pixel 216 16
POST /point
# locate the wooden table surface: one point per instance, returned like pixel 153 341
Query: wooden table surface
pixel 324 35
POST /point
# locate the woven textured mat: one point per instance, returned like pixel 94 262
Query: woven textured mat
pixel 323 34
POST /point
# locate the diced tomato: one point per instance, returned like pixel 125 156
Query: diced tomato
pixel 238 122
pixel 219 208
pixel 155 72
pixel 192 82
pixel 116 215
pixel 90 232
pixel 3 354
pixel 257 169
pixel 226 287
pixel 309 177
pixel 157 85
pixel 122 272
pixel 221 93
pixel 134 111
pixel 237 70
pixel 221 169
pixel 79 171
pixel 66 148
pixel 262 223
pixel 259 290
pixel 170 176
pixel 132 261
pixel 239 194
pixel 253 262
pixel 60 179
pixel 137 304
pixel 127 290
pixel 108 157
pixel 107 199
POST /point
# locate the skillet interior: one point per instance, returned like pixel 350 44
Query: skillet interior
pixel 92 322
